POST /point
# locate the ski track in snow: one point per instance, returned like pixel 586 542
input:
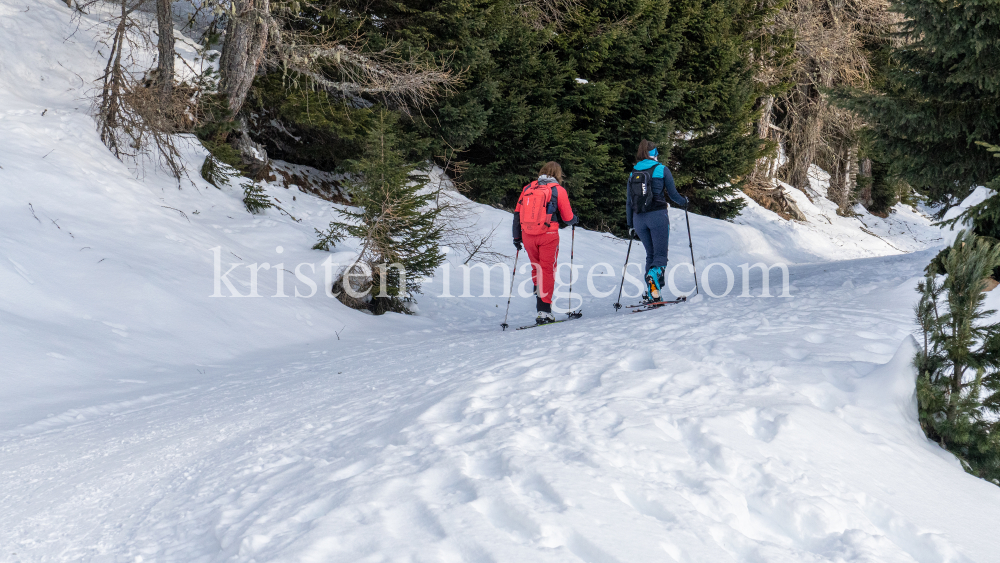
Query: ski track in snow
pixel 586 445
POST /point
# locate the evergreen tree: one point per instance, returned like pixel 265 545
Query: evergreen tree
pixel 297 124
pixel 581 87
pixel 393 219
pixel 942 94
pixel 985 216
pixel 718 148
pixel 878 189
pixel 958 384
pixel 585 91
pixel 532 120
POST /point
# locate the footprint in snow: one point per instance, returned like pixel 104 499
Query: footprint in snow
pixel 815 338
pixel 763 424
pixel 795 353
pixel 535 486
pixel 870 335
pixel 639 361
pixel 590 553
pixel 505 517
pixel 880 348
pixel 644 504
pixel 493 466
pixel 582 383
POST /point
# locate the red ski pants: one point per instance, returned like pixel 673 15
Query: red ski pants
pixel 542 251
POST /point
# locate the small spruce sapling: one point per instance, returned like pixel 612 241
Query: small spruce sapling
pixel 393 218
pixel 218 173
pixel 255 199
pixel 958 383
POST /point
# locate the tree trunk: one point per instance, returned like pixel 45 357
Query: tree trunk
pixel 165 45
pixel 843 177
pixel 764 168
pixel 955 391
pixel 865 195
pixel 804 135
pixel 852 172
pixel 243 51
pixel 253 155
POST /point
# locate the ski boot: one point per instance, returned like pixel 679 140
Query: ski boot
pixel 654 285
pixel 545 317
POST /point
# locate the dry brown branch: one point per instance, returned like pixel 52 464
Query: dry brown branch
pixel 540 14
pixel 460 229
pixel 135 116
pixel 476 247
pixel 830 51
pixel 259 35
pixel 406 83
pixel 772 197
pixel 280 38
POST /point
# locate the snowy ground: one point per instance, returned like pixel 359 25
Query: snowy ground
pixel 752 431
pixel 143 420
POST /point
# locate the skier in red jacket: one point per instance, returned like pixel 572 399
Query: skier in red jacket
pixel 541 211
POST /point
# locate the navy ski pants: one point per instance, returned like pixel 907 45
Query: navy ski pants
pixel 653 229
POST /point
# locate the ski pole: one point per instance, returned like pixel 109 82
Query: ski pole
pixel 572 244
pixel 618 304
pixel 694 270
pixel 510 293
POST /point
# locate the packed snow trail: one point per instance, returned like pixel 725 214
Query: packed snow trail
pixel 746 430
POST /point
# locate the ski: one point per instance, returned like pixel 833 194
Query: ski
pixel 543 324
pixel 657 303
pixel 573 315
pixel 654 305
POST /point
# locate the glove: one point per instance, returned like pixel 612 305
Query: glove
pixel 517 244
pixel 632 235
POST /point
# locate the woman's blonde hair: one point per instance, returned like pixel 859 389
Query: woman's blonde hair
pixel 552 168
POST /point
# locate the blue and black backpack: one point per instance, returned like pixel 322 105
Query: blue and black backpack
pixel 640 190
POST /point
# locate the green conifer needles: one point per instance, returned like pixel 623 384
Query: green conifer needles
pixel 958 383
pixel 942 93
pixel 394 219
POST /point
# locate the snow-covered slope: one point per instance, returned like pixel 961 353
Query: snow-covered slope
pixel 143 420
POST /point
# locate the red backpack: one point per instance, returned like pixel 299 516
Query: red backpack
pixel 538 204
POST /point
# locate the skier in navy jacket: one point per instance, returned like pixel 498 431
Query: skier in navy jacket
pixel 653 226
